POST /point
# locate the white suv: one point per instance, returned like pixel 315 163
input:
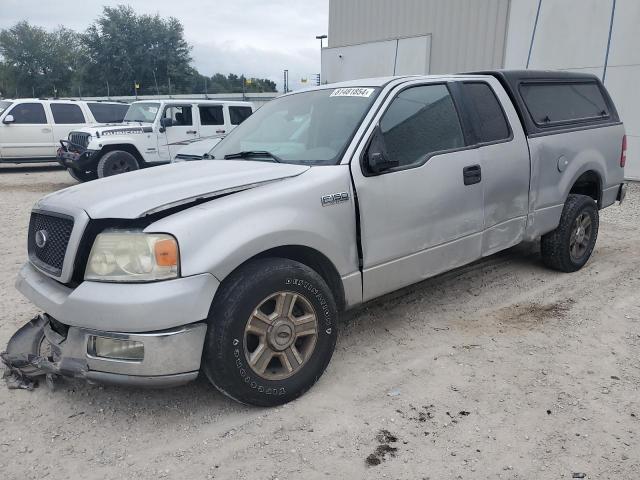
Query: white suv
pixel 151 134
pixel 30 129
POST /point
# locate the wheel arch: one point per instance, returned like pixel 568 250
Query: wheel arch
pixel 126 147
pixel 588 183
pixel 313 259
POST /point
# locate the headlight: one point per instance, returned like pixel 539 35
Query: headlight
pixel 132 256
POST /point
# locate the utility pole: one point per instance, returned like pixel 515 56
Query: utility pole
pixel 108 96
pixel 169 78
pixel 205 88
pixel 155 81
pixel 320 37
pixel 286 81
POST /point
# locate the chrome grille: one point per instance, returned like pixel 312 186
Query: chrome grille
pixel 48 238
pixel 79 139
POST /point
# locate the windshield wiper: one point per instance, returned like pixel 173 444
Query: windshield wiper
pixel 253 153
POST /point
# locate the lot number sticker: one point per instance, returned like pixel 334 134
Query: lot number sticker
pixel 352 92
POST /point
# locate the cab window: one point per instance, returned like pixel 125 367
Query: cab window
pixel 180 114
pixel 66 113
pixel 419 122
pixel 211 115
pixel 237 115
pixel 29 113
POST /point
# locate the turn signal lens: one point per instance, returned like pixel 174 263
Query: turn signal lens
pixel 623 155
pixel 166 252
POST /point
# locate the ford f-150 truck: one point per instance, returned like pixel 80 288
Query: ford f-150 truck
pixel 238 266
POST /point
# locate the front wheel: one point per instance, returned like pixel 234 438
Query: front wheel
pixel 272 331
pixel 116 162
pixel 569 246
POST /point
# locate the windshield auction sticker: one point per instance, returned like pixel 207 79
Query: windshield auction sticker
pixel 352 92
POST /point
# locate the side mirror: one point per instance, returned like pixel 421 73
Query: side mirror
pixel 8 119
pixel 377 158
pixel 166 122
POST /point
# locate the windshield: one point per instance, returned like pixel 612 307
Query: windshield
pixel 4 105
pixel 311 128
pixel 142 112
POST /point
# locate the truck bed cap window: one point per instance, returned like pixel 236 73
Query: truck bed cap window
pixel 551 103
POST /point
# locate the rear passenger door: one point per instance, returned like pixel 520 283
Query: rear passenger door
pixel 503 152
pixel 29 135
pixel 424 216
pixel 211 121
pixel 66 117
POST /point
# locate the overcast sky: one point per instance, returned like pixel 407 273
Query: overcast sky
pixel 254 38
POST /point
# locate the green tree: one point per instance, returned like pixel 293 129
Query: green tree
pixel 39 62
pixel 124 48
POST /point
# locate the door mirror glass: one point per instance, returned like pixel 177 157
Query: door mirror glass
pixel 8 119
pixel 378 160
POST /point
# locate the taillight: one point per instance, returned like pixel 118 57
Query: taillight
pixel 623 155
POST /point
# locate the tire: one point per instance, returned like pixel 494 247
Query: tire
pixel 115 163
pixel 81 176
pixel 231 341
pixel 558 248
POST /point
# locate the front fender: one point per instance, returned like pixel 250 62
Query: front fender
pixel 218 236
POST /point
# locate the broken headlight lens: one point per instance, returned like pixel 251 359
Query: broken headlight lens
pixel 132 256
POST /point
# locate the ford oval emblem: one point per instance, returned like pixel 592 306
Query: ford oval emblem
pixel 41 238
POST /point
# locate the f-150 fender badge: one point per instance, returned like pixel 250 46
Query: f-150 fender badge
pixel 334 199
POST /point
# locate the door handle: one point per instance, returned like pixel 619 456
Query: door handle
pixel 193 132
pixel 472 174
pixel 219 131
pixel 46 130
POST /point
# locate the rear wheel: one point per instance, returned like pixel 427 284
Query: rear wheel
pixel 116 162
pixel 82 176
pixel 569 246
pixel 272 331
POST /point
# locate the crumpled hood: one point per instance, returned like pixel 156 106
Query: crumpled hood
pixel 135 194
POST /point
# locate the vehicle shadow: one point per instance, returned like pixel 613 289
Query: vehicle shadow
pixel 30 168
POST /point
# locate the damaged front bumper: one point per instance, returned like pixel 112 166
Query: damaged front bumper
pixel 44 346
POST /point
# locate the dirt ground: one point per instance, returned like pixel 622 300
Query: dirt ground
pixel 500 370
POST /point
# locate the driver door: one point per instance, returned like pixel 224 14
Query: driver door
pixel 181 129
pixel 421 213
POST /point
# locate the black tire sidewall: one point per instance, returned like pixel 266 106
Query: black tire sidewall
pixel 115 155
pixel 588 206
pixel 224 359
pixel 82 176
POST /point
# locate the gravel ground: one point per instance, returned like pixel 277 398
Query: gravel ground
pixel 500 370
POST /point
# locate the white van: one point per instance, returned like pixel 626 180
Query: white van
pixel 30 129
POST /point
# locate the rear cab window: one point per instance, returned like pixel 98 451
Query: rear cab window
pixel 66 114
pixel 488 119
pixel 108 112
pixel 557 103
pixel 29 113
pixel 238 114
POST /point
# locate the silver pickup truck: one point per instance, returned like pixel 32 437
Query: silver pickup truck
pixel 238 266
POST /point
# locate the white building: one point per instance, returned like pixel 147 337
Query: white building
pixel 387 37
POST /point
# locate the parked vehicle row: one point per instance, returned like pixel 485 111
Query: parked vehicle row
pixel 152 133
pixel 30 129
pixel 238 266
